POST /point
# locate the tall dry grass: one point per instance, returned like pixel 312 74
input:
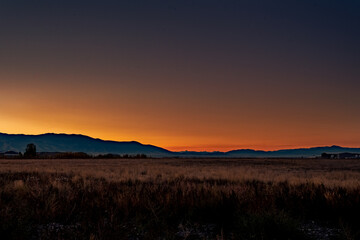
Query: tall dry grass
pixel 177 198
pixel 332 173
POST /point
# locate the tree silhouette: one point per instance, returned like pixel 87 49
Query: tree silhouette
pixel 30 151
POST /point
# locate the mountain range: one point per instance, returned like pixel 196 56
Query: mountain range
pixel 51 142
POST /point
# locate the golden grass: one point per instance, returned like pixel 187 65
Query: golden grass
pixel 331 173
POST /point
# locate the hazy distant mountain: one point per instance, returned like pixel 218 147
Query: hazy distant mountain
pixel 79 143
pixel 76 143
pixel 300 152
pixel 285 153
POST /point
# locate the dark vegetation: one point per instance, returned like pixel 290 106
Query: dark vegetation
pixel 340 155
pixel 39 205
pixel 81 155
pixel 30 151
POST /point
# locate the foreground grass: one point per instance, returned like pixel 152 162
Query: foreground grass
pixel 45 205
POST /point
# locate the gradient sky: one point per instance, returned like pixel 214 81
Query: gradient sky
pixel 196 75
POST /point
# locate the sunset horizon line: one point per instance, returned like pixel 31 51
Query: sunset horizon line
pixel 200 148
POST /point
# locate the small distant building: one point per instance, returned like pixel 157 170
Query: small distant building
pixel 11 154
pixel 341 155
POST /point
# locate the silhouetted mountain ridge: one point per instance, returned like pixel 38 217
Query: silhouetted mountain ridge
pixel 51 142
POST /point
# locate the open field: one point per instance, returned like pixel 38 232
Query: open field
pixel 179 199
pixel 343 172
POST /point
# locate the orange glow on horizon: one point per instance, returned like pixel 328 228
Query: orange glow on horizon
pixel 197 123
pixel 28 128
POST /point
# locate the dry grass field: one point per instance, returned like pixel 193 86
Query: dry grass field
pixel 179 199
pixel 337 172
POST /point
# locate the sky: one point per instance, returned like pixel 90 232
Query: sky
pixel 183 75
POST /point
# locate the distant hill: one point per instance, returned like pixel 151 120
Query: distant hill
pixel 51 142
pixel 300 152
pixel 76 143
pixel 285 153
